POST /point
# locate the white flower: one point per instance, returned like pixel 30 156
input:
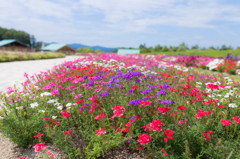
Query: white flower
pixel 232 105
pixel 52 101
pixel 60 107
pixel 20 107
pixel 45 94
pixel 41 111
pixel 54 117
pixel 69 104
pixel 33 105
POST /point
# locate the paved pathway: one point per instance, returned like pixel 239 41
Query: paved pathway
pixel 10 72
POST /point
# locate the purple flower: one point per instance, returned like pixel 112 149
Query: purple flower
pixel 166 102
pixel 165 86
pixel 130 90
pixel 153 86
pixel 145 91
pixel 135 102
pixel 105 94
pixel 162 92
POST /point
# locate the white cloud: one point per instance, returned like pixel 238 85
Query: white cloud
pixel 145 13
pixel 73 20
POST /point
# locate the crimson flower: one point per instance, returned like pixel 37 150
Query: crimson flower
pixel 237 119
pixel 182 107
pixel 65 114
pixel 226 122
pixel 169 134
pixel 144 139
pixel 145 104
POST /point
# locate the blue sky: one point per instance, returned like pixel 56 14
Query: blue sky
pixel 114 23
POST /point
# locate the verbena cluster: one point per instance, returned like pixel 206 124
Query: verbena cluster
pixel 92 105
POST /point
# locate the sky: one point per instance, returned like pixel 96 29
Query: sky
pixel 128 23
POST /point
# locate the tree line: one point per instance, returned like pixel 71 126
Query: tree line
pixel 21 36
pixel 181 48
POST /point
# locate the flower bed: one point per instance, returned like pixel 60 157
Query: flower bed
pixel 92 105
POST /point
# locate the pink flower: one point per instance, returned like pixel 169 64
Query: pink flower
pixel 38 135
pixel 55 92
pixel 117 111
pixel 50 154
pixel 101 131
pixel 103 115
pixel 156 125
pixel 39 146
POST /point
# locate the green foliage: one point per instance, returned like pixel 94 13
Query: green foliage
pixel 85 50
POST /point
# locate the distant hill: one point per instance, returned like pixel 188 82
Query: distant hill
pixel 103 49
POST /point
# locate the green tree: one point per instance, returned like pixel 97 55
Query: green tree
pixel 144 49
pixel 212 48
pixel 165 49
pixel 157 48
pixel 195 47
pixel 98 51
pixel 85 50
pixel 182 47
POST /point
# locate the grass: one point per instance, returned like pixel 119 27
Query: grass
pixel 204 71
pixel 18 56
pixel 213 53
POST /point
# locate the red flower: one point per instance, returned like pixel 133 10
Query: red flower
pixel 164 152
pixel 169 134
pixel 237 119
pixel 201 113
pixel 65 114
pixel 207 135
pixel 134 87
pixel 163 110
pixel 139 117
pixel 226 122
pixel 145 104
pixel 182 107
pixel 80 101
pixel 144 139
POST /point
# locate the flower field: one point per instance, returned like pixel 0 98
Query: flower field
pixel 154 105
